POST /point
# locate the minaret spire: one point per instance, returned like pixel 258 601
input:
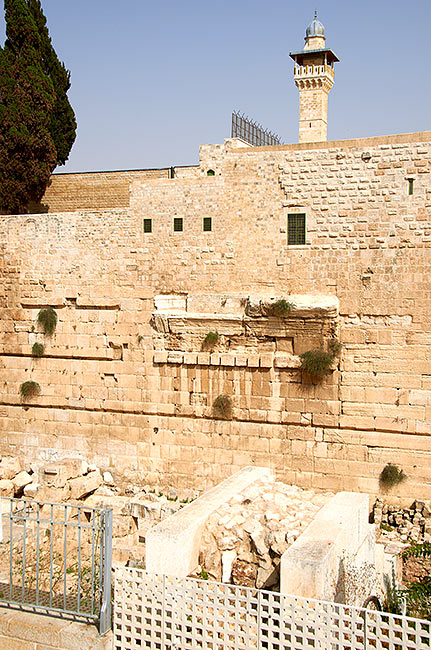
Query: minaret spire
pixel 314 77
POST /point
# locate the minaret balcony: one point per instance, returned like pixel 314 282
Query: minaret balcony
pixel 312 71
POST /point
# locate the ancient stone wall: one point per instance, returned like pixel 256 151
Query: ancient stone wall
pixel 98 190
pixel 121 386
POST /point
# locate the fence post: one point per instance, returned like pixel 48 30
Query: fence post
pixel 106 608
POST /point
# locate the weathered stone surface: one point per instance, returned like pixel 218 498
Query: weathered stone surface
pixel 80 487
pixel 258 525
pixel 31 490
pixel 21 480
pixel 7 488
pixel 10 467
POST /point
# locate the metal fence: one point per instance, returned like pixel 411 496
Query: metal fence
pixel 252 132
pixel 57 558
pixel 166 613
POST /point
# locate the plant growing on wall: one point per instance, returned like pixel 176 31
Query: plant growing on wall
pixel 222 407
pixel 47 319
pixel 29 389
pixel 38 349
pixel 317 363
pixel 210 340
pixel 390 476
pixel 280 308
pixel 418 594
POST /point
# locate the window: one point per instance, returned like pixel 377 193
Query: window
pixel 207 224
pixel 296 229
pixel 178 224
pixel 410 180
pixel 211 172
pixel 148 226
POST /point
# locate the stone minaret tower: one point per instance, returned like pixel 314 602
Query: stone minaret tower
pixel 314 76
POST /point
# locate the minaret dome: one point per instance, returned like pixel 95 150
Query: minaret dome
pixel 315 28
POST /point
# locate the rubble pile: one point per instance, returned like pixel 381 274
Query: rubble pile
pixel 244 540
pixel 73 480
pixel 405 525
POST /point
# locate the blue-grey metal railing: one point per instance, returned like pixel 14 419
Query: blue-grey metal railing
pixel 57 558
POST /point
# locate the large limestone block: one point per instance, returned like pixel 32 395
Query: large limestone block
pixel 201 324
pixel 311 566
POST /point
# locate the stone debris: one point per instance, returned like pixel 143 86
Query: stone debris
pixel 406 525
pixel 244 540
pixel 73 480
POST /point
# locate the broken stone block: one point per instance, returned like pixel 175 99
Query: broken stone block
pixel 227 560
pixel 267 578
pixel 108 478
pixel 21 480
pixel 258 538
pixel 9 467
pixel 82 486
pixel 243 573
pixel 7 488
pixel 31 490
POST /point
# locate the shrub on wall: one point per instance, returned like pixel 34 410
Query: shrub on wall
pixel 47 319
pixel 210 340
pixel 222 407
pixel 38 349
pixel 390 476
pixel 29 389
pixel 317 363
pixel 281 308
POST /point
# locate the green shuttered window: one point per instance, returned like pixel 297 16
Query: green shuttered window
pixel 296 229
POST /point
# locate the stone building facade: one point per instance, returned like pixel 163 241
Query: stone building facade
pixel 341 229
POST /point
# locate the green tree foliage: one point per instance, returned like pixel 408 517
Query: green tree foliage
pixel 27 97
pixel 37 123
pixel 63 123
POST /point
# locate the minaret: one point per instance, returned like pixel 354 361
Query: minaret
pixel 314 77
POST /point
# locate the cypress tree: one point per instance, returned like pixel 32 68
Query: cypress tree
pixel 27 97
pixel 63 123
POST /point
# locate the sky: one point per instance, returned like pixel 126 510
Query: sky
pixel 153 79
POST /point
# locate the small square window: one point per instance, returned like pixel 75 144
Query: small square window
pixel 207 224
pixel 148 226
pixel 296 229
pixel 178 224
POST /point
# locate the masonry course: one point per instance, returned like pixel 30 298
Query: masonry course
pixel 117 388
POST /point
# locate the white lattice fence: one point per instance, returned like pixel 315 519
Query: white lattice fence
pixel 165 613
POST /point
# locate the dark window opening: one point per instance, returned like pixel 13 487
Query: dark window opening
pixel 211 172
pixel 410 186
pixel 296 229
pixel 178 224
pixel 148 226
pixel 207 224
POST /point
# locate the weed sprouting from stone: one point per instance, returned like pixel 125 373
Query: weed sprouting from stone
pixel 37 350
pixel 47 319
pixel 390 476
pixel 29 389
pixel 222 407
pixel 280 308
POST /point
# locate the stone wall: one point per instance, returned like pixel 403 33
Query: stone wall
pixel 139 399
pixel 98 190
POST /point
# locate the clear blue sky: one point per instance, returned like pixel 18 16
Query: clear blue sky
pixel 153 79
